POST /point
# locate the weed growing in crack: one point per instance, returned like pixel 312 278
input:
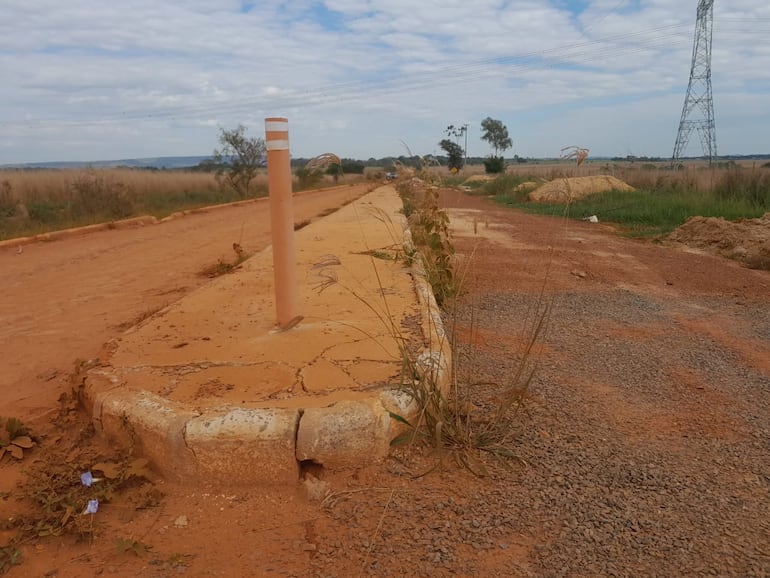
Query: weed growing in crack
pixel 429 226
pixel 131 546
pixel 222 267
pixel 9 556
pixel 445 418
pixel 448 421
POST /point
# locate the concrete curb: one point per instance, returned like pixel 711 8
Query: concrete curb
pixel 140 221
pixel 244 445
pixel 266 446
pixel 436 359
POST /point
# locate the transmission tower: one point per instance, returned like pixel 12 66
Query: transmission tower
pixel 698 110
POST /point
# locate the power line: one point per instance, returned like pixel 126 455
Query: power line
pixel 603 18
pixel 569 55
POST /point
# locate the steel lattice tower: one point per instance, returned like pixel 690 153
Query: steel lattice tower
pixel 698 110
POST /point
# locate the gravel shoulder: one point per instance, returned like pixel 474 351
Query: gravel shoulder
pixel 649 419
pixel 644 446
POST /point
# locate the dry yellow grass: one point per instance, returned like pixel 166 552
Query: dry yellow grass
pixel 480 178
pixel 36 201
pixel 25 185
pixel 695 175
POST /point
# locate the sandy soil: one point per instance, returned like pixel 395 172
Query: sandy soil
pixel 745 240
pixel 644 445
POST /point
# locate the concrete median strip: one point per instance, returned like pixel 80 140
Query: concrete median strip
pixel 210 392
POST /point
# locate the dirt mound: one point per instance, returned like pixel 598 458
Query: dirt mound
pixel 479 178
pixel 528 185
pixel 572 189
pixel 745 240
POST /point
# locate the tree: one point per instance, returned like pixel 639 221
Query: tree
pixel 456 131
pixel 455 153
pixel 308 177
pixel 239 159
pixel 496 134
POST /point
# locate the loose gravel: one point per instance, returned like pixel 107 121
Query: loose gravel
pixel 645 451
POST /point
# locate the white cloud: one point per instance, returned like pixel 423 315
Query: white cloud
pixel 85 79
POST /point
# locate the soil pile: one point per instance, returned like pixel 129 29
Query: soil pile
pixel 526 186
pixel 572 189
pixel 479 179
pixel 746 240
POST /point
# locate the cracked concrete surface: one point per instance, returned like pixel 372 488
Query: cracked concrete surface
pixel 207 389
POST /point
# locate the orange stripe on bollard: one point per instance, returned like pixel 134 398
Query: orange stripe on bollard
pixel 276 134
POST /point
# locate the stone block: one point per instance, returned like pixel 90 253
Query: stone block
pixel 245 445
pixel 151 425
pixel 349 434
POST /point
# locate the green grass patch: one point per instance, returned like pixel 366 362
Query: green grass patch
pixel 162 205
pixel 453 180
pixel 643 213
pixel 505 185
pixel 473 187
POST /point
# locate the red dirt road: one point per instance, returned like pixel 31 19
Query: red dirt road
pixel 61 301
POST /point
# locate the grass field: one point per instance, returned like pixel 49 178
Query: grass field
pixel 663 200
pixel 37 201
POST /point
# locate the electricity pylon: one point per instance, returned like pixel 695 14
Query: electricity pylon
pixel 698 110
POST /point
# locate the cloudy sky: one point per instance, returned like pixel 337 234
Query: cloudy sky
pixel 90 80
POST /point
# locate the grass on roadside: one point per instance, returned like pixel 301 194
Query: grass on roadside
pixel 445 420
pixel 448 420
pixel 429 225
pixel 40 201
pixel 33 202
pixel 641 213
pixel 648 212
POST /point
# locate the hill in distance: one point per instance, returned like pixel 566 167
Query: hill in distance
pixel 150 162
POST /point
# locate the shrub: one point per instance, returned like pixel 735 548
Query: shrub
pixel 430 233
pixel 7 202
pixel 308 178
pixel 95 195
pixel 43 211
pixel 352 167
pixel 738 184
pixel 505 185
pixel 494 165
